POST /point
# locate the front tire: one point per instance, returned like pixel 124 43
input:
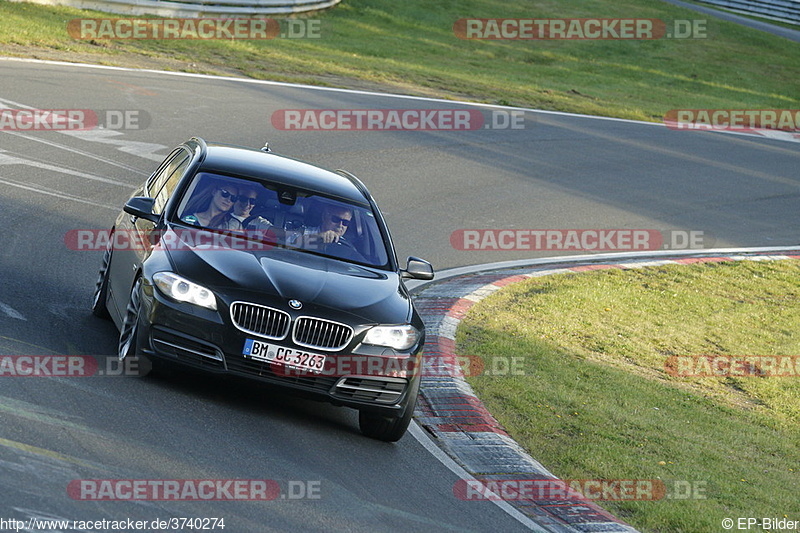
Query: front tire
pixel 128 343
pixel 128 349
pixel 388 428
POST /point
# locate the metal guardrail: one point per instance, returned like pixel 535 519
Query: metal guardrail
pixel 195 8
pixel 781 10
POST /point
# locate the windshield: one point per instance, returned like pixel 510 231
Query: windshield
pixel 283 217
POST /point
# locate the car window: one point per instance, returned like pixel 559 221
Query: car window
pixel 172 180
pixel 156 181
pixel 360 242
pixel 295 219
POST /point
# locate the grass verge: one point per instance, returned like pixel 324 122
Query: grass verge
pixel 410 46
pixel 595 401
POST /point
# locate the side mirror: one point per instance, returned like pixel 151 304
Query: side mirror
pixel 417 268
pixel 141 207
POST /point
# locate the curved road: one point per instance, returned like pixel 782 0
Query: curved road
pixel 559 171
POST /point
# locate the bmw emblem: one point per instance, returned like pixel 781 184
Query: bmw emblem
pixel 295 304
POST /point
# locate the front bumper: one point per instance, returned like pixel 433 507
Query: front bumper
pixel 208 341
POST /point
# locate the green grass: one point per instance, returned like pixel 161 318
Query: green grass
pixel 595 401
pixel 410 46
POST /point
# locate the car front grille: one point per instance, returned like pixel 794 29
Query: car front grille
pixel 383 390
pixel 321 334
pixel 260 320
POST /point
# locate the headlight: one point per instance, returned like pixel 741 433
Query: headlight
pixel 183 290
pixel 397 337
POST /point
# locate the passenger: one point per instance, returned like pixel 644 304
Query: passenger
pixel 211 208
pixel 242 209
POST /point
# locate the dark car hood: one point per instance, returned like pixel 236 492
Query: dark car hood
pixel 374 295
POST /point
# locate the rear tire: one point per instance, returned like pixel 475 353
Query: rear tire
pixel 99 308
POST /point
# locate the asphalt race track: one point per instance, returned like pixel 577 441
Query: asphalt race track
pixel 556 172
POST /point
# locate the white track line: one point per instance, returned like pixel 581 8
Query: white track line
pixel 11 312
pixel 418 433
pixel 767 135
pixel 75 151
pixel 61 195
pixel 326 89
pixel 6 158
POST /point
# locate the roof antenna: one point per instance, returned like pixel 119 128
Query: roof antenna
pixel 266 148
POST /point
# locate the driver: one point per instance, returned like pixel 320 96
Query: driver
pixel 335 221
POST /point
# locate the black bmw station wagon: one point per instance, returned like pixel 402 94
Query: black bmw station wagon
pixel 241 261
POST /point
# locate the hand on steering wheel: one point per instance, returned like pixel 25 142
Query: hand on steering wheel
pixel 344 243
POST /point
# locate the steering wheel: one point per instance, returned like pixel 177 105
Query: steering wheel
pixel 344 249
pixel 344 243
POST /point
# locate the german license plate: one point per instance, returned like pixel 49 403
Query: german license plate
pixel 264 351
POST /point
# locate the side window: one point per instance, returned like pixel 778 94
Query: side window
pixel 173 174
pixel 156 181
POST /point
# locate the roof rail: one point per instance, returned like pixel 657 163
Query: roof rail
pixel 201 143
pixel 357 182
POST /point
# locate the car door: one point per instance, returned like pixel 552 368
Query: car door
pixel 133 241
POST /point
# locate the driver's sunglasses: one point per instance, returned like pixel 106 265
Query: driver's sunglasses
pixel 247 200
pixel 336 220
